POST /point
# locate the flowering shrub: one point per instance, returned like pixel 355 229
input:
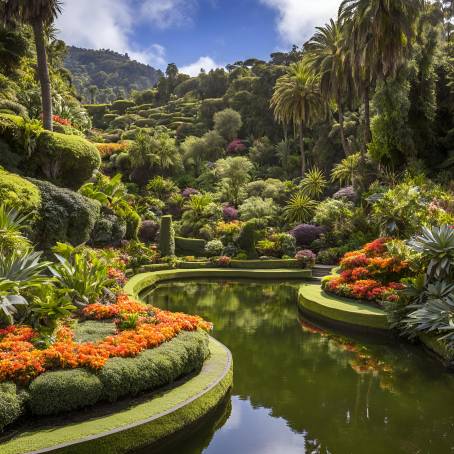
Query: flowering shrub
pixel 306 258
pixel 222 261
pixel 230 213
pixel 188 192
pixel 60 120
pixel 370 273
pixel 21 361
pixel 236 147
pixel 117 275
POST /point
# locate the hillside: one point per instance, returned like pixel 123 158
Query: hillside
pixel 104 75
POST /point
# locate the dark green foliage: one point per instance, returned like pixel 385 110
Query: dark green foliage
pixel 65 216
pixel 108 230
pixel 148 231
pixel 166 244
pixel 97 112
pixel 121 105
pixel 249 236
pixel 10 404
pixel 113 74
pixel 61 391
pixel 66 160
pixel 56 392
pixel 190 246
pixel 208 108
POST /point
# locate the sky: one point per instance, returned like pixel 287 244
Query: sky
pixel 193 34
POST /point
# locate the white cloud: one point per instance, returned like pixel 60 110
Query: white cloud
pixel 297 18
pixel 108 24
pixel 168 13
pixel 206 63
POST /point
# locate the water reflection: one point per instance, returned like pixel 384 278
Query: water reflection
pixel 300 389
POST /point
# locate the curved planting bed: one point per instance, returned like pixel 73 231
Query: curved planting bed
pixel 142 421
pixel 355 313
pixel 141 281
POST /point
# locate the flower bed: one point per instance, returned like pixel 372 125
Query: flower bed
pixel 21 361
pixel 370 273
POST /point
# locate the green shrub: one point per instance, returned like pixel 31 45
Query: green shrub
pixel 108 230
pixel 190 246
pixel 14 107
pixel 65 216
pixel 249 235
pixel 61 391
pixel 154 368
pixel 97 112
pixel 214 248
pixel 18 192
pixel 120 105
pixel 166 245
pixel 66 160
pixel 56 392
pixel 11 404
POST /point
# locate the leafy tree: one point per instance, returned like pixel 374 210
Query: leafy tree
pixel 296 99
pixel 234 174
pixel 39 14
pixel 227 123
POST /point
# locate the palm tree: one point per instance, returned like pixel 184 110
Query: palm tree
pixel 380 35
pixel 328 56
pixel 39 14
pixel 296 99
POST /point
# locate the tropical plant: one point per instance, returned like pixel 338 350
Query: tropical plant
pixel 108 191
pixel 436 246
pixel 380 36
pixel 299 208
pixel 12 227
pixel 40 14
pixel 328 55
pixel 346 171
pixel 296 100
pixel 313 183
pixel 10 300
pixel 161 188
pixel 82 276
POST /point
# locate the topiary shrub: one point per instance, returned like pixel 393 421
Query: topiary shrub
pixel 65 160
pixel 60 391
pixel 11 404
pixel 19 192
pixel 305 234
pixel 148 231
pixel 166 245
pixel 109 229
pixel 65 216
pixel 14 107
pixel 214 248
pixel 97 112
pixel 190 246
pixel 120 105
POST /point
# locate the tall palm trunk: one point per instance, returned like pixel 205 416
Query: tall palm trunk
pixel 367 133
pixel 302 151
pixel 344 142
pixel 43 74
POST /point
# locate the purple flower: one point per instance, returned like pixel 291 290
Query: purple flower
pixel 188 192
pixel 230 213
pixel 236 147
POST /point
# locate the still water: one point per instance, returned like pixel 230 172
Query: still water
pixel 299 389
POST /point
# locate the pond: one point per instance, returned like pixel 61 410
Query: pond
pixel 299 389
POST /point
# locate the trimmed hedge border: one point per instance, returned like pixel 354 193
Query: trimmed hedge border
pixel 141 281
pixel 313 299
pixel 140 424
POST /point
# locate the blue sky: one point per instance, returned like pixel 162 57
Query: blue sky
pixel 192 33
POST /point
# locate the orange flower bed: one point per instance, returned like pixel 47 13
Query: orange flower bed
pixel 370 273
pixel 21 361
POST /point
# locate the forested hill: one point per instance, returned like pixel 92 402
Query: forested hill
pixel 104 75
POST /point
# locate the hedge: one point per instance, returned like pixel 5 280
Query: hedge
pixel 11 404
pixel 19 192
pixel 67 161
pixel 166 245
pixel 60 391
pixel 190 246
pixel 109 229
pixel 65 216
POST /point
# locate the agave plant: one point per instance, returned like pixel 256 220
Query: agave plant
pixel 299 209
pixel 314 183
pixel 436 245
pixel 12 227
